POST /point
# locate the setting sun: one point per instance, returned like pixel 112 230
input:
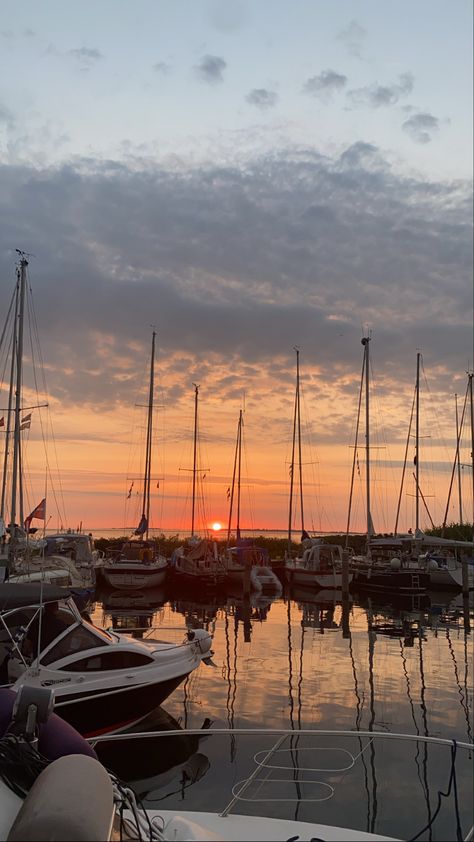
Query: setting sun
pixel 216 527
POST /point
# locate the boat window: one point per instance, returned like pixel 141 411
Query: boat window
pixel 100 632
pixel 109 661
pixel 77 640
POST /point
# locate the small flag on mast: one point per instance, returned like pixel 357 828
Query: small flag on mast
pixel 2 421
pixel 39 512
pixel 25 422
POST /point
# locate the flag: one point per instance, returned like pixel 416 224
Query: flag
pixel 130 492
pixel 142 526
pixel 228 493
pixel 305 536
pixel 39 512
pixel 26 424
pixel 2 421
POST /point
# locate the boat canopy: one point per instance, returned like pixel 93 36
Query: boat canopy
pixel 30 593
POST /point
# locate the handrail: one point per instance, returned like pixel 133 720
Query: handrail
pixel 278 732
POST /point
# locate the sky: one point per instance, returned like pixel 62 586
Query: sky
pixel 244 178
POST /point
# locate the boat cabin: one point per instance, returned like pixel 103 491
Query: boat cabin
pixel 322 557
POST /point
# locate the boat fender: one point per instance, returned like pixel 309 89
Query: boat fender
pixel 71 799
pixel 202 638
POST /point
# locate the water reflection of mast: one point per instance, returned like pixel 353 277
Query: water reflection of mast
pixel 425 724
pixel 412 708
pixel 358 720
pixel 372 637
pixel 230 699
pixel 463 696
pixel 292 706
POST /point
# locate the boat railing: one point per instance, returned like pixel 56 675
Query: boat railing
pixel 320 769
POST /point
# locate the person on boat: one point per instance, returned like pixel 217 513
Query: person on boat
pixel 52 625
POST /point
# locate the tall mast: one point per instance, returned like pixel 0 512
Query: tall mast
pixel 10 400
pixel 296 435
pixel 458 460
pixel 149 438
pixel 417 445
pixel 471 375
pixel 365 342
pixel 19 372
pixel 196 393
pixel 239 474
pixel 299 438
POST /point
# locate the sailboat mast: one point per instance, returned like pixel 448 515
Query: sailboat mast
pixel 458 460
pixel 292 463
pixel 239 474
pixel 10 400
pixel 19 373
pixel 196 393
pixel 417 445
pixel 299 439
pixel 149 438
pixel 471 375
pixel 365 342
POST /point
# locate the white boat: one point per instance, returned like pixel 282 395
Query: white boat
pixel 103 680
pixel 262 578
pixel 280 776
pixel 138 565
pixel 135 566
pixel 319 567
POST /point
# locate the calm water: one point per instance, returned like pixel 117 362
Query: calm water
pixel 305 662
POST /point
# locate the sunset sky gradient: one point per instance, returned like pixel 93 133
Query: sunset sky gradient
pixel 245 178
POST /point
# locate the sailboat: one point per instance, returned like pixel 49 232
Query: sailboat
pixel 372 573
pixel 320 566
pixel 440 557
pixel 244 559
pixel 197 562
pixel 138 564
pixel 23 557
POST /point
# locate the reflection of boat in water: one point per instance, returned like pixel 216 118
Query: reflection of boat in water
pixel 150 765
pixel 135 602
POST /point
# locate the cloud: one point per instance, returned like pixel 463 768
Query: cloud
pixel 6 116
pixel 353 37
pixel 162 67
pixel 262 98
pixel 86 56
pixel 211 68
pixel 421 127
pixel 327 83
pixel 235 266
pixel 377 95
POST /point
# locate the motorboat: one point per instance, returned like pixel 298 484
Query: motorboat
pixel 104 680
pixel 286 784
pixel 320 566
